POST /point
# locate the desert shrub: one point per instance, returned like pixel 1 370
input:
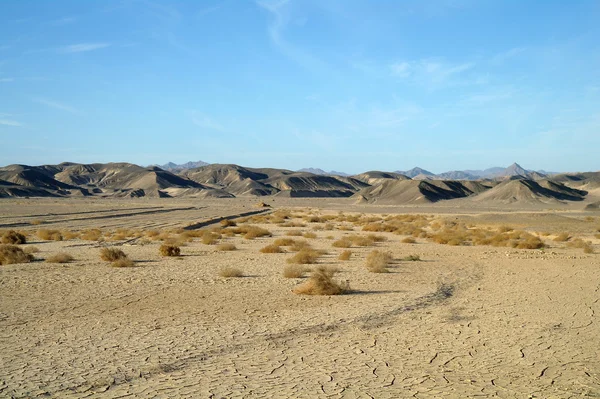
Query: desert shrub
pixel 37 222
pixel 579 243
pixel 31 250
pixel 361 241
pixel 169 250
pixel 271 249
pixel 91 235
pixel 294 233
pixel 284 242
pixel 309 234
pixel 11 254
pixel 320 282
pixel 378 261
pixel 562 237
pixel 304 256
pixel 49 235
pixel 294 271
pixel 587 249
pixel 60 257
pixel 299 245
pixel 597 235
pixel 209 238
pixel 112 254
pixel 152 233
pixel 227 223
pixel 226 247
pixel 229 271
pixel 345 255
pixel 13 237
pixel 253 232
pixel 376 238
pixel 123 262
pixel 344 242
pixel 69 235
pixel 409 240
pixel 504 229
pixel 412 258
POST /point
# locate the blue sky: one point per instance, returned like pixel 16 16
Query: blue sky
pixel 343 85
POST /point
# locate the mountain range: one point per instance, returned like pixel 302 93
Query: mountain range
pixel 502 185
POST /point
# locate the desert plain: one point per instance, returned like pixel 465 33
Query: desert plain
pixel 453 317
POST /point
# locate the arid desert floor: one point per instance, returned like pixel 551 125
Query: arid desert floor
pixel 471 318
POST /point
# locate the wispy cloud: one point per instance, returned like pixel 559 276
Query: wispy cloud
pixel 432 72
pixel 8 122
pixel 56 105
pixel 81 47
pixel 206 122
pixel 280 13
pixel 506 55
pixel 63 21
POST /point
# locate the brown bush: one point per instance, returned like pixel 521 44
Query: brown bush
pixel 91 235
pixel 304 256
pixel 49 235
pixel 361 241
pixel 320 283
pixel 294 233
pixel 271 249
pixel 294 271
pixel 253 232
pixel 112 254
pixel 378 261
pixel 299 245
pixel 31 250
pixel 11 254
pixel 69 235
pixel 227 223
pixel 226 247
pixel 123 262
pixel 13 237
pixel 409 240
pixel 284 242
pixel 229 271
pixel 169 250
pixel 60 257
pixel 209 238
pixel 412 258
pixel 309 234
pixel 562 237
pixel 345 255
pixel 344 242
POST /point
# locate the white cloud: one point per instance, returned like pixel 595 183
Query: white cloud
pixel 401 69
pixel 430 72
pixel 81 47
pixel 56 105
pixel 8 122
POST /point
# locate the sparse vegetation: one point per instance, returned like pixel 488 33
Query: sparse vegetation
pixel 229 271
pixel 31 250
pixel 169 250
pixel 13 237
pixel 344 242
pixel 227 223
pixel 112 254
pixel 60 257
pixel 320 282
pixel 123 262
pixel 409 240
pixel 305 256
pixel 271 249
pixel 11 254
pixel 294 271
pixel 412 258
pixel 284 242
pixel 345 255
pixel 91 235
pixel 209 238
pixel 226 247
pixel 309 234
pixel 49 235
pixel 562 237
pixel 378 261
pixel 294 233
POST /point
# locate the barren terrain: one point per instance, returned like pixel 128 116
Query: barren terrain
pixel 466 320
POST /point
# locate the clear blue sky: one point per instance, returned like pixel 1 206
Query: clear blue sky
pixel 344 85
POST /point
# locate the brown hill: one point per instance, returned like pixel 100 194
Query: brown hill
pixel 400 192
pixel 374 177
pixel 530 191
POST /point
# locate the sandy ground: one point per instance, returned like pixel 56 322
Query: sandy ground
pixel 519 323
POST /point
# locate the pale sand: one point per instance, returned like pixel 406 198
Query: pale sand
pixel 520 323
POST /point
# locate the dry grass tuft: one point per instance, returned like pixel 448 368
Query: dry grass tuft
pixel 91 235
pixel 227 223
pixel 305 256
pixel 579 243
pixel 60 257
pixel 295 271
pixel 11 254
pixel 209 238
pixel 345 255
pixel 409 240
pixel 562 237
pixel 411 258
pixel 299 245
pixel 378 261
pixel 253 232
pixel 294 233
pixel 309 234
pixel 271 249
pixel 226 247
pixel 344 242
pixel 169 250
pixel 49 235
pixel 123 262
pixel 320 283
pixel 112 254
pixel 284 242
pixel 31 250
pixel 13 237
pixel 229 271
pixel 69 235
